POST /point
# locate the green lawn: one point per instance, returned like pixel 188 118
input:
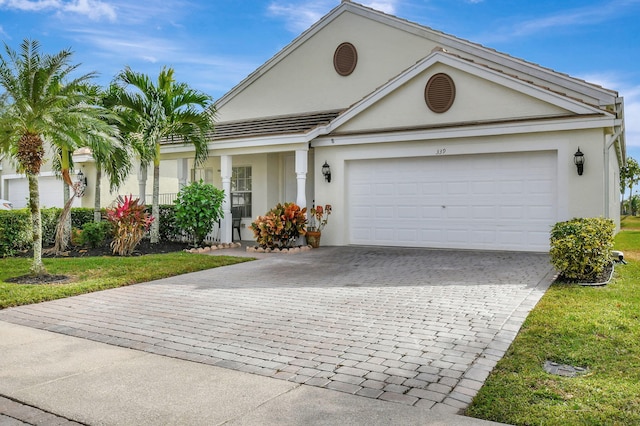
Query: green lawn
pixel 593 327
pixel 99 273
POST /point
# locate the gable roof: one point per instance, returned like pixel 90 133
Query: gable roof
pixel 492 57
pixel 572 105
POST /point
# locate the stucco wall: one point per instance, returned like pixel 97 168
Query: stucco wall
pixel 476 100
pixel 306 81
pixel 576 195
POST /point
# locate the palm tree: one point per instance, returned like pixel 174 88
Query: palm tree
pixel 46 106
pixel 159 111
pixel 109 153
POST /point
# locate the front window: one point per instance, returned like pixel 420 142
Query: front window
pixel 241 191
pixel 206 175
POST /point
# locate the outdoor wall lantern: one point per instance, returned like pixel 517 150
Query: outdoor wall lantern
pixel 578 160
pixel 81 183
pixel 326 171
pixel 81 178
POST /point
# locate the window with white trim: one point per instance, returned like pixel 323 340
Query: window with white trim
pixel 241 191
pixel 206 175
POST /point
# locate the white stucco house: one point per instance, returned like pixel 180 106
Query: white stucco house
pixel 431 140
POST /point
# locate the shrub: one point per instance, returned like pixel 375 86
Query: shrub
pixel 49 223
pixel 280 227
pixel 198 207
pixel 581 248
pixel 15 231
pixel 169 230
pixel 130 222
pixel 94 234
pixel 80 216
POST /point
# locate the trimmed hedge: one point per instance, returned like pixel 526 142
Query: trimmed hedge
pixel 15 226
pixel 15 231
pixel 581 247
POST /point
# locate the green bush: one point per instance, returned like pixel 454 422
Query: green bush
pixel 15 227
pixel 15 231
pixel 581 248
pixel 169 230
pixel 82 215
pixel 95 234
pixel 49 222
pixel 281 226
pixel 198 207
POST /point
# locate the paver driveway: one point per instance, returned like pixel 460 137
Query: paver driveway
pixel 415 326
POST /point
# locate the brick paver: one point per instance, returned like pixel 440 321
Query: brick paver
pixel 413 326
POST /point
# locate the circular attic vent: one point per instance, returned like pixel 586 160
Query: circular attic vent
pixel 440 93
pixel 345 59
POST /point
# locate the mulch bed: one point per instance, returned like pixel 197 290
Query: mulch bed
pixel 144 248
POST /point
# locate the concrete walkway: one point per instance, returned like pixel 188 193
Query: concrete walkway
pixel 338 335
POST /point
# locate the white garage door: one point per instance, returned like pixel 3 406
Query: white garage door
pixel 51 192
pixel 497 201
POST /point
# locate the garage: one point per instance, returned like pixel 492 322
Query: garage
pixel 501 201
pixel 50 192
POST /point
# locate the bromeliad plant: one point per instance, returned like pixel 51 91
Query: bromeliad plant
pixel 318 218
pixel 280 227
pixel 130 223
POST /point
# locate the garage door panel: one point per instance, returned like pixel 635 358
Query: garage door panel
pixel 431 212
pixel 433 188
pixel 471 201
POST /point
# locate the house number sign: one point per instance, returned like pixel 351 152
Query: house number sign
pixel 441 151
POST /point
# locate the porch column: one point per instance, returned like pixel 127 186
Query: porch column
pixel 183 172
pixel 226 223
pixel 301 176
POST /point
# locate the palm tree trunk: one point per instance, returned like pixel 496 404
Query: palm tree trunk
pixel 67 219
pixel 155 206
pixel 63 228
pixel 142 183
pixel 97 213
pixel 37 267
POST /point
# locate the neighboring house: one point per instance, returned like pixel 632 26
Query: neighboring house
pixel 431 140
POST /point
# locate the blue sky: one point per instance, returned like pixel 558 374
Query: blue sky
pixel 214 44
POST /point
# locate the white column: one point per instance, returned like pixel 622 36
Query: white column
pixel 301 176
pixel 183 172
pixel 226 224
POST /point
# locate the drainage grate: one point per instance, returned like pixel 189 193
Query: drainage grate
pixel 564 369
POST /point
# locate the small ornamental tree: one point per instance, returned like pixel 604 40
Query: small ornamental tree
pixel 281 226
pixel 198 208
pixel 581 248
pixel 130 223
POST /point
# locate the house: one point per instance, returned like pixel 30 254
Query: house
pixel 430 140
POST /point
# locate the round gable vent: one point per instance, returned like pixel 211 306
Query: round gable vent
pixel 345 59
pixel 440 93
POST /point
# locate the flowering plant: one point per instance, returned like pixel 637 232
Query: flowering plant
pixel 130 222
pixel 281 226
pixel 318 217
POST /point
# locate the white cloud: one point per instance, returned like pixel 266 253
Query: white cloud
pixel 302 14
pixel 93 9
pixel 568 19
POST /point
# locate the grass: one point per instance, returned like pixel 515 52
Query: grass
pixel 593 327
pixel 99 273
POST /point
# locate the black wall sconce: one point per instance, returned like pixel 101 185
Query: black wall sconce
pixel 326 171
pixel 578 160
pixel 81 178
pixel 81 184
